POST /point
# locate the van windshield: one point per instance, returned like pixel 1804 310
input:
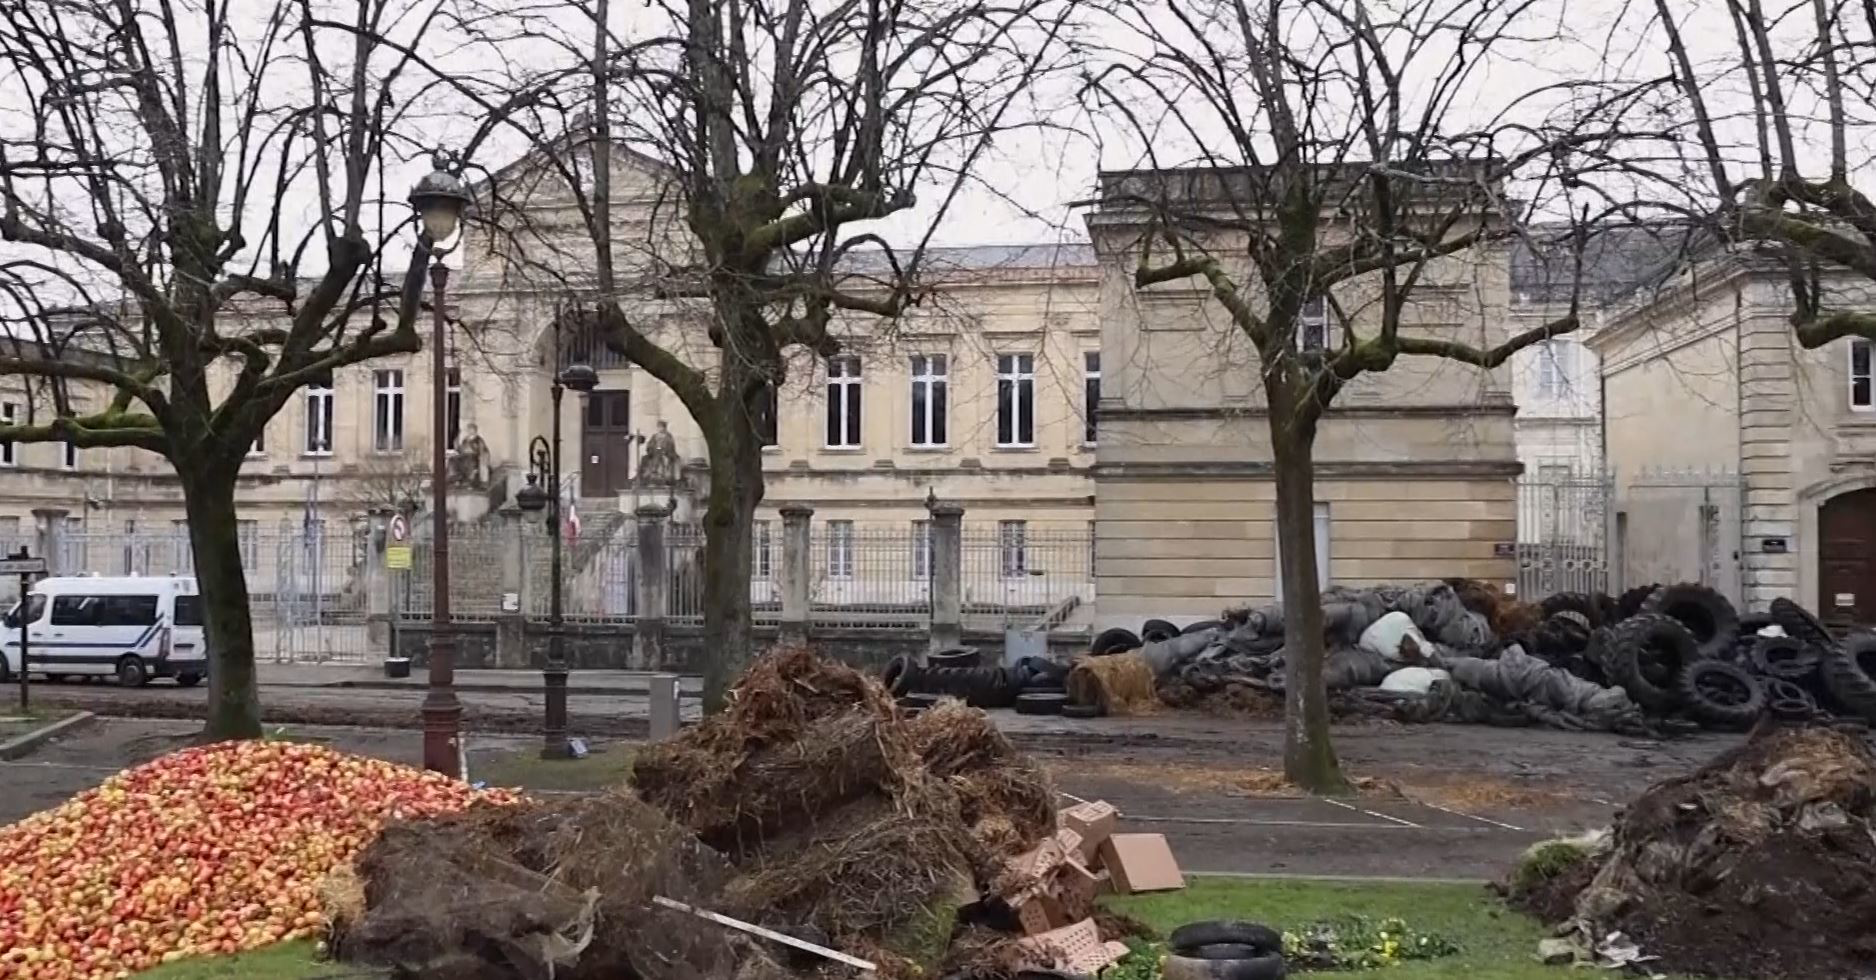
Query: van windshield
pixel 35 607
pixel 188 610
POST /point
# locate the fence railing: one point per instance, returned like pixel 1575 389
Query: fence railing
pixel 1563 534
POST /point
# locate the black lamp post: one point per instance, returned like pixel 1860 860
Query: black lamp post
pixel 440 199
pixel 544 468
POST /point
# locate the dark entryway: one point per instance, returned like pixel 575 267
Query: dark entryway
pixel 1846 529
pixel 606 444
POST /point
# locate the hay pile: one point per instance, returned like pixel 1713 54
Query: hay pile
pixel 1121 684
pixel 1762 864
pixel 842 817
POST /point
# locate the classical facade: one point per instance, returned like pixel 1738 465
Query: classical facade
pixel 1415 468
pixel 1741 459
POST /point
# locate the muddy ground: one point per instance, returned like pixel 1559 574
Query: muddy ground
pixel 1446 801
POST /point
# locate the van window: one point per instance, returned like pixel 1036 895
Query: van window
pixel 35 607
pixel 188 610
pixel 103 610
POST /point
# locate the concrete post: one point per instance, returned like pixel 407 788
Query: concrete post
pixel 511 623
pixel 947 575
pixel 664 706
pixel 654 584
pixel 797 574
pixel 50 544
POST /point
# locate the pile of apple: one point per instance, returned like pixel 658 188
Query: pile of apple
pixel 208 850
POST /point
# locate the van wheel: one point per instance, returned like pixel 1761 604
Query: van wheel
pixel 58 678
pixel 131 672
pixel 188 680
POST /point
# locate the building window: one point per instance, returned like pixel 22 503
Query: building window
pixel 839 549
pixel 1323 578
pixel 921 550
pixel 9 414
pixel 1090 394
pixel 765 555
pixel 1861 396
pixel 259 448
pixel 843 402
pixel 319 419
pixel 1016 400
pixel 452 406
pixel 1013 544
pixel 769 409
pixel 1312 324
pixel 250 534
pixel 930 393
pixel 388 411
pixel 1553 368
pixel 70 458
pixel 182 553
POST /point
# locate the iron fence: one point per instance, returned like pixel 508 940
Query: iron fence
pixel 1563 534
pixel 1016 574
pixel 870 576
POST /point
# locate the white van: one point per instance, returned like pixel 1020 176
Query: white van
pixel 133 628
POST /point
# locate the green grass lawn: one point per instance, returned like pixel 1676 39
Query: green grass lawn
pixel 1494 941
pixel 287 961
pixel 606 767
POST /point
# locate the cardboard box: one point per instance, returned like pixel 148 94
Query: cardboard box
pixel 1095 822
pixel 1141 863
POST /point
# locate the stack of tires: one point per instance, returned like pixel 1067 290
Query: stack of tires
pixel 1683 649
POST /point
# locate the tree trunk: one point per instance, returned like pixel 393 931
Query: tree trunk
pixel 234 705
pixel 1308 756
pixel 729 522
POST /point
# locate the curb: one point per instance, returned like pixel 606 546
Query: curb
pixel 25 744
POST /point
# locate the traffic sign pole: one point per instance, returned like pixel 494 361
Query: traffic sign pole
pixel 25 566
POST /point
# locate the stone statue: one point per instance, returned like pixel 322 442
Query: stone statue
pixel 659 464
pixel 467 468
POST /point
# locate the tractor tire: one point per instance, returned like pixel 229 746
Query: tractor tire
pixel 1786 701
pixel 1040 704
pixel 1156 630
pixel 1631 601
pixel 1785 658
pixel 1708 615
pixel 1849 671
pixel 1800 625
pixel 955 657
pixel 1116 640
pixel 1645 655
pixel 900 675
pixel 1201 626
pixel 1721 695
pixel 1581 603
pixel 1751 623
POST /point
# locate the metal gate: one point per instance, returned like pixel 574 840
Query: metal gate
pixel 1563 534
pixel 318 604
pixel 1683 525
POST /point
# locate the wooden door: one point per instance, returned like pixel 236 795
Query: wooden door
pixel 606 444
pixel 1847 558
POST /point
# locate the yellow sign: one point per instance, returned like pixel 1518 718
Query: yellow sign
pixel 397 556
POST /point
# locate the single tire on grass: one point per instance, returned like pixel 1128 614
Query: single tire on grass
pixel 1269 966
pixel 1216 931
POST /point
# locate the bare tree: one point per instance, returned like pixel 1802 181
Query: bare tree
pixel 785 139
pixel 1776 131
pixel 1339 155
pixel 154 159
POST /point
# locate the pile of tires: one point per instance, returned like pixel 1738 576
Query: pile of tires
pixel 1224 951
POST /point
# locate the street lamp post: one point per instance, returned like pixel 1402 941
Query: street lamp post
pixel 544 469
pixel 440 199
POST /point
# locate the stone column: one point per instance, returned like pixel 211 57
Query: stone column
pixel 797 573
pixel 648 634
pixel 377 583
pixel 947 575
pixel 50 544
pixel 511 623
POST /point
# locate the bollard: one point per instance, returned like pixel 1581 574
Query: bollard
pixel 664 706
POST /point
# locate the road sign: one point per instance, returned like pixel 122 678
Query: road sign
pixel 397 547
pixel 22 566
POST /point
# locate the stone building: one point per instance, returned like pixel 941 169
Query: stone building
pixel 1741 459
